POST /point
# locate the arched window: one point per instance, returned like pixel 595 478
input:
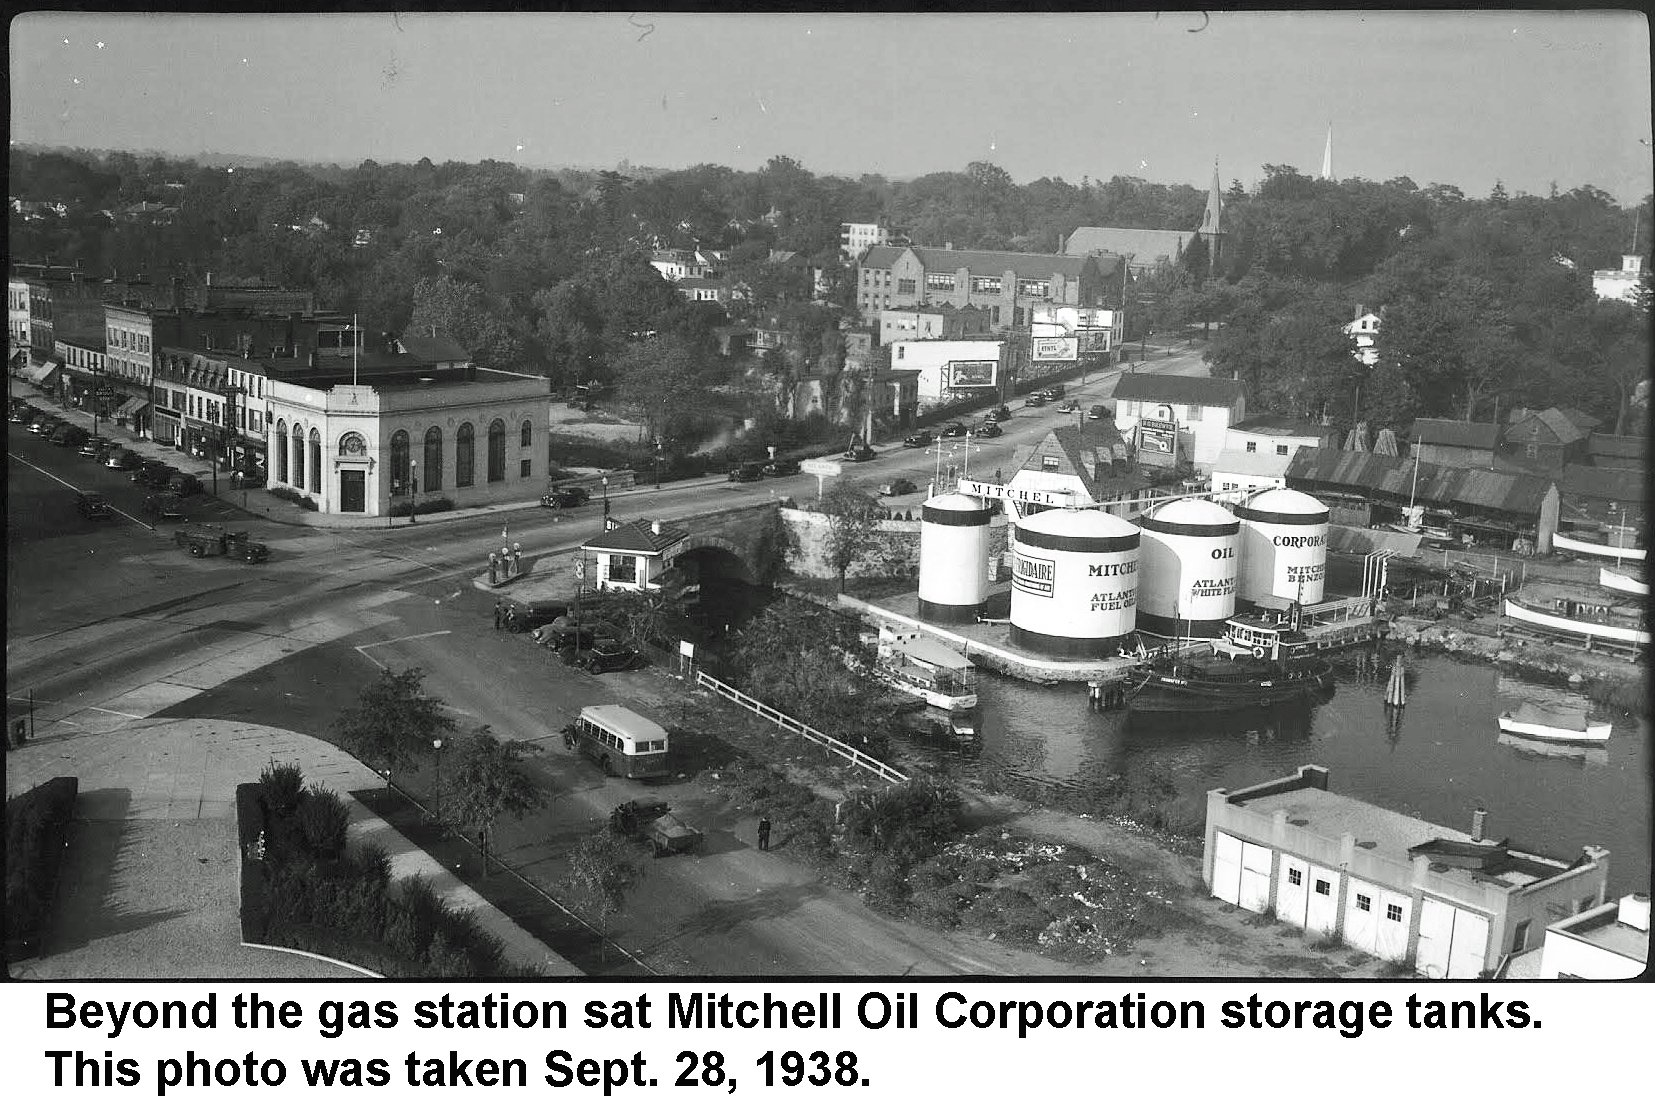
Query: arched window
pixel 465 456
pixel 399 462
pixel 280 443
pixel 432 465
pixel 315 461
pixel 496 451
pixel 298 457
pixel 527 433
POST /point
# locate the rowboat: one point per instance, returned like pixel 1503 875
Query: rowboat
pixel 1610 579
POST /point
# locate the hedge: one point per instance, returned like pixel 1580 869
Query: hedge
pixel 300 888
pixel 37 831
pixel 429 506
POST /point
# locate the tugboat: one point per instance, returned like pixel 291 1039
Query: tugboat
pixel 1258 662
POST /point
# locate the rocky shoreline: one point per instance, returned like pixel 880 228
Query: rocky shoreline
pixel 1604 678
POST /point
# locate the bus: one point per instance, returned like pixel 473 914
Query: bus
pixel 620 741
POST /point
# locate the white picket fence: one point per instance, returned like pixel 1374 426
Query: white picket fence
pixel 815 736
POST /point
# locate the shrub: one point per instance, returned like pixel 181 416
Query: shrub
pixel 308 503
pixel 1010 914
pixel 250 828
pixel 282 784
pixel 430 506
pixel 37 824
pixel 322 819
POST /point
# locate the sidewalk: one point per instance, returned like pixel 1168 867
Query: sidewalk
pixel 150 885
pixel 259 502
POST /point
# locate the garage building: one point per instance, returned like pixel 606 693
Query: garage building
pixel 1451 904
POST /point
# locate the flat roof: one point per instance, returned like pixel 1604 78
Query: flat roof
pixel 1602 927
pixel 1331 815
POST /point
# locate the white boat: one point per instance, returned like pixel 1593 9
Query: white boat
pixel 1530 748
pixel 1610 579
pixel 1559 724
pixel 939 676
pixel 1589 548
pixel 1579 617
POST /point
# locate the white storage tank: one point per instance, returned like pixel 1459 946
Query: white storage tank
pixel 1187 569
pixel 1283 546
pixel 953 557
pixel 1074 580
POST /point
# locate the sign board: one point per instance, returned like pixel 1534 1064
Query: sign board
pixel 686 649
pixel 105 392
pixel 1032 574
pixel 1017 494
pixel 972 373
pixel 1157 436
pixel 1056 348
pixel 820 467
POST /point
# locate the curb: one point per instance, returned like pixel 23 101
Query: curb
pixel 341 963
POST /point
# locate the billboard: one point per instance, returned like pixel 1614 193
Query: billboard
pixel 1056 348
pixel 1157 436
pixel 972 373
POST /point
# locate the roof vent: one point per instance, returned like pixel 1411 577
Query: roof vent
pixel 1367 845
pixel 655 527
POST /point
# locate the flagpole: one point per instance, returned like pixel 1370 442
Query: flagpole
pixel 355 346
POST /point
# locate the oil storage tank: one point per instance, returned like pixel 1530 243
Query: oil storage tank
pixel 953 557
pixel 1283 546
pixel 1074 582
pixel 1187 568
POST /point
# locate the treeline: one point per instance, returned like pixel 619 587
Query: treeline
pixel 1484 300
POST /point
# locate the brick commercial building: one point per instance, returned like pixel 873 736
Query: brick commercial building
pixel 1009 285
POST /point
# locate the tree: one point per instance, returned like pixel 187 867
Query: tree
pixel 602 872
pixel 489 783
pixel 852 514
pixel 648 616
pixel 464 312
pixel 393 722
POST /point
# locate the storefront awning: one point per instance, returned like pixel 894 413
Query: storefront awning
pixel 40 375
pixel 134 405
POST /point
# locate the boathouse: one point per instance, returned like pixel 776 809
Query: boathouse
pixel 1451 904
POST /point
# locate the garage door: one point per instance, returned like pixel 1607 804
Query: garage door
pixel 1293 890
pixel 1452 941
pixel 1361 916
pixel 1254 893
pixel 1322 908
pixel 1226 868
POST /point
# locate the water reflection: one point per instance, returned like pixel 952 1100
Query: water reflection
pixel 1437 758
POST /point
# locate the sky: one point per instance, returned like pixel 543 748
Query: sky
pixel 1526 98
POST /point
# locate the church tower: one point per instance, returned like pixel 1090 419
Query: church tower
pixel 1327 155
pixel 1212 221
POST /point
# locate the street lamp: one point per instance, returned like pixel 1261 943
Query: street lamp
pixel 413 490
pixel 606 501
pixel 436 751
pixel 657 463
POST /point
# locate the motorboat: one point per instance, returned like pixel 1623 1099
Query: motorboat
pixel 1559 724
pixel 1564 543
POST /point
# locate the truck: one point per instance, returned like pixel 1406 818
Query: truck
pixel 215 540
pixel 652 822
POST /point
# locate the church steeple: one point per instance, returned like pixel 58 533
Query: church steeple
pixel 1212 220
pixel 1327 155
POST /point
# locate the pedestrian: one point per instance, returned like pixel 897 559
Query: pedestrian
pixel 497 612
pixel 764 833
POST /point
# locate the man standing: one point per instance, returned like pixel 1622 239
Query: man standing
pixel 764 832
pixel 497 615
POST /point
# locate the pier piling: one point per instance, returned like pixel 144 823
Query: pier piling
pixel 1396 691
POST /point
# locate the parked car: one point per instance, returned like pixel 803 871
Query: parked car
pixel 564 631
pixel 917 440
pixel 93 445
pixel 1069 406
pixel 989 429
pixel 155 473
pixel 782 467
pixel 1055 391
pixel 858 454
pixel 1098 411
pixel 610 655
pixel 254 478
pixel 23 413
pixel 750 472
pixel 69 435
pixel 92 505
pixel 106 450
pixel 184 484
pixel 898 487
pixel 1036 399
pixel 43 422
pixel 123 459
pixel 954 429
pixel 164 505
pixel 526 616
pixel 1001 413
pixel 566 496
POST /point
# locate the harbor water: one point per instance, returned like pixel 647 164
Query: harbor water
pixel 1438 759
